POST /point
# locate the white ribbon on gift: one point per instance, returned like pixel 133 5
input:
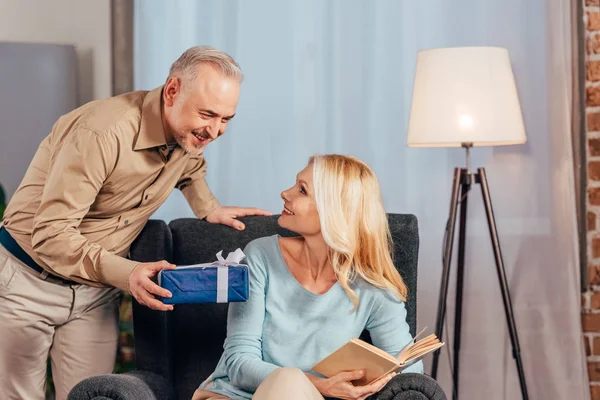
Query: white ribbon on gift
pixel 233 260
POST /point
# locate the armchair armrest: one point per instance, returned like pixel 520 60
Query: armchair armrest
pixel 134 385
pixel 410 386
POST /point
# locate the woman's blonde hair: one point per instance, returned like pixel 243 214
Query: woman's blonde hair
pixel 354 223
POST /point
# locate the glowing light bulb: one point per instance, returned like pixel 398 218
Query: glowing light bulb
pixel 465 121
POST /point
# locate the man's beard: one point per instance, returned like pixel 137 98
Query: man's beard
pixel 189 148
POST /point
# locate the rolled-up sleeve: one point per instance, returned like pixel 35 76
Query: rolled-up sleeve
pixel 195 189
pixel 76 173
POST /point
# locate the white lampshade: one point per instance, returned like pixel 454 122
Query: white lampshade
pixel 465 95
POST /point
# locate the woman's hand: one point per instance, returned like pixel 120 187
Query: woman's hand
pixel 340 386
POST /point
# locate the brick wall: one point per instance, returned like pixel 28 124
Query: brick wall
pixel 591 299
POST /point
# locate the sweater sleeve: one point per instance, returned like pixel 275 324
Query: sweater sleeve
pixel 242 354
pixel 388 327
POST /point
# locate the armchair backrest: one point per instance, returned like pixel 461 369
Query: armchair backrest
pixel 185 344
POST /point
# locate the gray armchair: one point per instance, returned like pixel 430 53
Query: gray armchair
pixel 177 350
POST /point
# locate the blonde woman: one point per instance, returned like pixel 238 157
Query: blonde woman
pixel 312 293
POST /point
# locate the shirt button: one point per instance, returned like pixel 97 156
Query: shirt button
pixel 126 222
pixel 146 198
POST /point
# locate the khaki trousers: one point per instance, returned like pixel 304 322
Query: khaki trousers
pixel 77 325
pixel 283 383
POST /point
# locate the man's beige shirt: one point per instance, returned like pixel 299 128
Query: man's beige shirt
pixel 94 182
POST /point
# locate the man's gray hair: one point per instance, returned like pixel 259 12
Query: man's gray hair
pixel 186 66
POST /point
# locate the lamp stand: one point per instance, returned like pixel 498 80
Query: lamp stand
pixel 463 179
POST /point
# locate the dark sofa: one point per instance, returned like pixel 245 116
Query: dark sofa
pixel 177 350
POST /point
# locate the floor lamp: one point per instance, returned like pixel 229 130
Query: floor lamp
pixel 466 97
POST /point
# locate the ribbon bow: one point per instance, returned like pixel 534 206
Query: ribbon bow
pixel 233 260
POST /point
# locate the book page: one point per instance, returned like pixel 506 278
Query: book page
pixel 419 349
pixel 400 354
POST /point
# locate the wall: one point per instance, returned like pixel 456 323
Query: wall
pixel 33 96
pixel 591 299
pixel 85 24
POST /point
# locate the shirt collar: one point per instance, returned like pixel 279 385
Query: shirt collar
pixel 151 132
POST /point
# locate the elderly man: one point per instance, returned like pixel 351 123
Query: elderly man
pixel 90 188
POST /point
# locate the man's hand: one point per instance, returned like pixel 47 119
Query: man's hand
pixel 227 216
pixel 340 386
pixel 143 289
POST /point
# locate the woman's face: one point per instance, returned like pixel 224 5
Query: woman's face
pixel 299 208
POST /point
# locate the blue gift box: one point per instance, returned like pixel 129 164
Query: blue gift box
pixel 223 281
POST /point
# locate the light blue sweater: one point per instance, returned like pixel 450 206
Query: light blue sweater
pixel 284 325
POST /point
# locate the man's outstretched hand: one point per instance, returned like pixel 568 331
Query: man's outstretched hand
pixel 143 288
pixel 227 215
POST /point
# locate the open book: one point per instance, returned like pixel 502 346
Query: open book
pixel 358 354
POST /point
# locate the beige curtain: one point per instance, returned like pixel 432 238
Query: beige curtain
pixel 336 76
